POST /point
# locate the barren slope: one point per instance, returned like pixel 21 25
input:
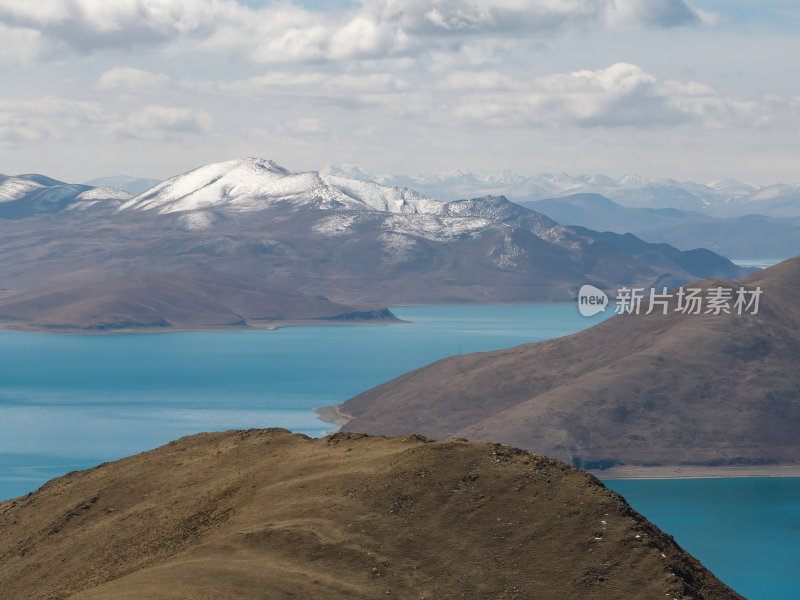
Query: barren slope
pixel 269 514
pixel 186 299
pixel 635 389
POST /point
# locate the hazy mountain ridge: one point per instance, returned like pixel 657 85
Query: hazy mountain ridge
pixel 23 196
pixel 655 389
pixel 132 185
pixel 248 513
pixel 724 198
pixel 358 244
pixel 750 236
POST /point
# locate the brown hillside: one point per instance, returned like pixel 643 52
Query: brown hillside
pixel 185 299
pixel 639 390
pixel 269 514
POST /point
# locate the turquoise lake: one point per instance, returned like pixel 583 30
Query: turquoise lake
pixel 746 530
pixel 70 402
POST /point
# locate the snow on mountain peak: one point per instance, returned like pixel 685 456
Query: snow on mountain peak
pixel 104 193
pixel 254 183
pixel 14 188
pixel 632 179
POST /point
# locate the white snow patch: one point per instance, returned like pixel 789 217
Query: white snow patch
pixel 13 189
pixel 436 228
pixel 83 205
pixel 196 220
pixel 396 243
pixel 506 254
pixel 335 225
pixel 383 198
pixel 105 193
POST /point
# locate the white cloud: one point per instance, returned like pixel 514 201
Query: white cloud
pixel 521 16
pixel 654 13
pixel 479 80
pixel 290 45
pixel 23 122
pixel 313 83
pixel 259 84
pixel 306 126
pixel 128 78
pixel 22 44
pixel 13 134
pixel 621 95
pixel 370 82
pixel 384 82
pixel 361 36
pixel 43 11
pixel 427 16
pixel 283 32
pixel 159 122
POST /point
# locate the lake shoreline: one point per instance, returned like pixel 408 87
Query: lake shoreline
pixel 696 472
pixel 250 327
pixel 332 415
pixel 21 327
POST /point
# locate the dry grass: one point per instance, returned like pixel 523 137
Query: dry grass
pixel 270 514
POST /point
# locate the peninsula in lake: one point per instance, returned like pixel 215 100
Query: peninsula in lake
pixel 636 390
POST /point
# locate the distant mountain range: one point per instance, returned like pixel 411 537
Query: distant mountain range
pixel 27 195
pixel 674 389
pixel 725 198
pixel 270 514
pixel 751 236
pixel 249 234
pixel 132 185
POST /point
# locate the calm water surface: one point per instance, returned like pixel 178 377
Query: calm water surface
pixel 746 530
pixel 70 402
pixel 758 263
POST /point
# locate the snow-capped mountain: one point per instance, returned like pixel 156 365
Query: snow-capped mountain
pixel 26 195
pixel 254 183
pixel 202 196
pixel 234 229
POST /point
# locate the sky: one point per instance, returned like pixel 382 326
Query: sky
pixel 696 91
